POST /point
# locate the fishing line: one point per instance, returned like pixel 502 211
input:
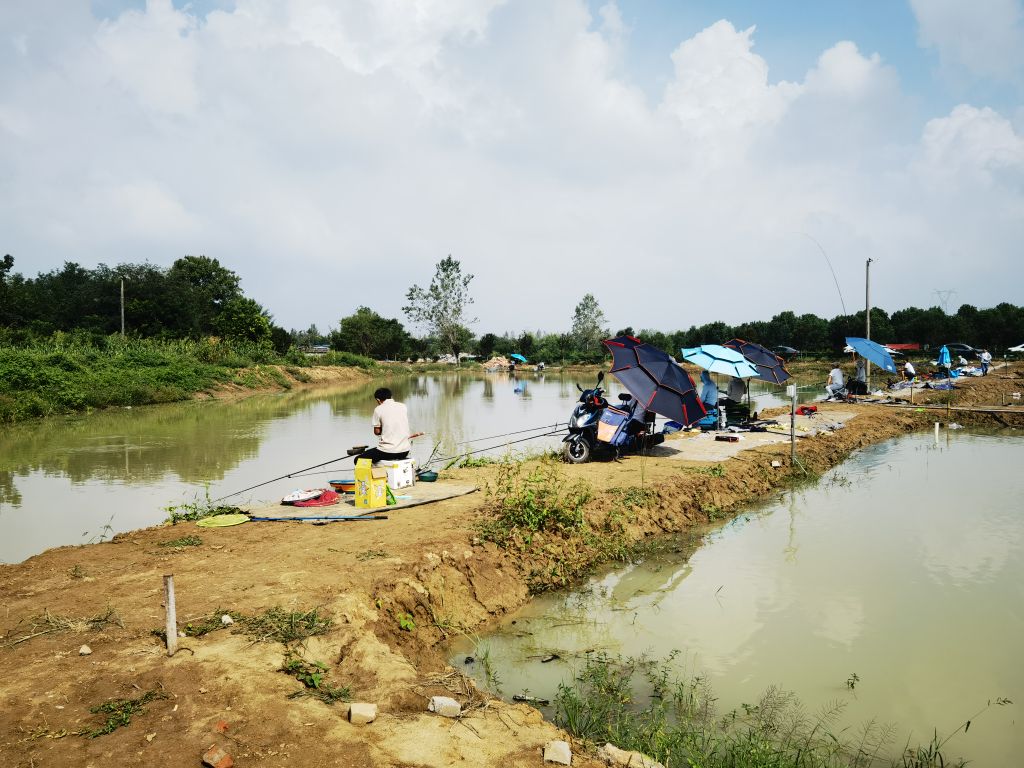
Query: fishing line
pixel 306 471
pixel 457 455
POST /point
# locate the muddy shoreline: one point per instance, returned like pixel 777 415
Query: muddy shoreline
pixel 428 564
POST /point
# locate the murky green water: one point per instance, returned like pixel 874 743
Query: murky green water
pixel 904 566
pixel 71 481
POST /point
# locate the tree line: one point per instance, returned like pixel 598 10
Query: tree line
pixel 197 297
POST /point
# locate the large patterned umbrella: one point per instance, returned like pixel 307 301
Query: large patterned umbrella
pixel 655 379
pixel 872 352
pixel 719 359
pixel 770 367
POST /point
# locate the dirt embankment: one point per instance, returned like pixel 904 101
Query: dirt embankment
pixel 395 590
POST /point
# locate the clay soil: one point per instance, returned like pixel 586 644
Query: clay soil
pixel 428 563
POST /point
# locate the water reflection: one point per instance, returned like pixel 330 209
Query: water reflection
pixel 68 480
pixel 905 566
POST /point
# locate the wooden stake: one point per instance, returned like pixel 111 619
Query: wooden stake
pixel 171 626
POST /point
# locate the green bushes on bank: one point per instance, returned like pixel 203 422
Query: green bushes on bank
pixel 67 373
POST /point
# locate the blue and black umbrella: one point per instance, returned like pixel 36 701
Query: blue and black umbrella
pixel 655 379
pixel 770 367
pixel 517 356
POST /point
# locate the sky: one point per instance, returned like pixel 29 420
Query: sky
pixel 684 162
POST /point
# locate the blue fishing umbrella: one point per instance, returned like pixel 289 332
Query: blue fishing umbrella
pixel 517 356
pixel 872 352
pixel 719 359
pixel 944 361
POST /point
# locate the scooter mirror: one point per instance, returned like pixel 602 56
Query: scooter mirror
pixel 600 376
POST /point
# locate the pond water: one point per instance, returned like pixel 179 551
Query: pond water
pixel 82 479
pixel 904 566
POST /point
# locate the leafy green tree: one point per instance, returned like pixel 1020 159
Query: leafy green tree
pixel 280 339
pixel 485 346
pixel 367 333
pixel 525 344
pixel 588 325
pixel 201 288
pixel 242 319
pixel 441 308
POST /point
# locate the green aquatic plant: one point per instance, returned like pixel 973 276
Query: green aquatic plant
pixel 640 704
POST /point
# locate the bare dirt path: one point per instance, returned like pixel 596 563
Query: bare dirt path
pixel 394 591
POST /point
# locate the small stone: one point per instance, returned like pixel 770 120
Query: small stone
pixel 362 713
pixel 85 650
pixel 558 752
pixel 202 690
pixel 444 706
pixel 776 463
pixel 150 736
pixel 620 757
pixel 226 620
pixel 215 757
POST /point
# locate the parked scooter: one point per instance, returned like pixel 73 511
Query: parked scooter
pixel 597 428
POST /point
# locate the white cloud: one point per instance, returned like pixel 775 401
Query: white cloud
pixel 986 39
pixel 349 142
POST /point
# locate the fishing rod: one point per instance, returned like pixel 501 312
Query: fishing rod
pixel 284 477
pixel 467 453
pixel 301 472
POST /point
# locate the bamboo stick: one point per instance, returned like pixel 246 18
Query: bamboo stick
pixel 171 626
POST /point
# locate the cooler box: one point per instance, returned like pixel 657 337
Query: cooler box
pixel 371 485
pixel 612 426
pixel 401 474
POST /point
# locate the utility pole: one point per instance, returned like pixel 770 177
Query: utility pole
pixel 122 307
pixel 867 316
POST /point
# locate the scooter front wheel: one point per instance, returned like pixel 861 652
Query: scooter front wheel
pixel 577 451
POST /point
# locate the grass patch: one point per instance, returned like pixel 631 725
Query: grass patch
pixel 120 712
pixel 372 554
pixel 718 470
pixel 184 541
pixel 634 497
pixel 285 626
pixel 534 498
pixel 312 675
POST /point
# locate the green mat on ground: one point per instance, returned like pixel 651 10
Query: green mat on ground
pixel 222 521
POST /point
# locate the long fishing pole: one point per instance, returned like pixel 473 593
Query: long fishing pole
pixel 284 477
pixel 470 453
pixel 299 472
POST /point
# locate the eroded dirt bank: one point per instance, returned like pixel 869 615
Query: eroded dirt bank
pixel 426 563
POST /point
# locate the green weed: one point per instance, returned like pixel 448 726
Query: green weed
pixel 372 554
pixel 533 499
pixel 119 712
pixel 406 622
pixel 198 509
pixel 184 541
pixel 285 626
pixel 312 675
